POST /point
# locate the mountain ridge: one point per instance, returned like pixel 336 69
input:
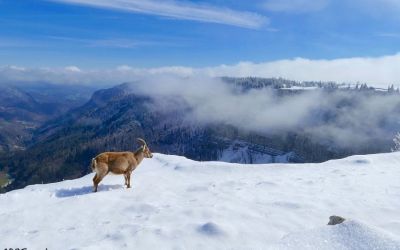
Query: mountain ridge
pixel 113 118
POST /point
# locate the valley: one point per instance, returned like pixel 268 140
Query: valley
pixel 113 118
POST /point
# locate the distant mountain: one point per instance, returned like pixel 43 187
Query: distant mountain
pixel 20 113
pixel 113 118
pixel 23 108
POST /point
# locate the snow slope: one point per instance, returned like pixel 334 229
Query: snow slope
pixel 176 203
pixel 241 152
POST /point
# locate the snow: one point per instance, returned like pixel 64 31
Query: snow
pixel 243 152
pixel 349 235
pixel 176 203
pixel 300 88
pixel 243 155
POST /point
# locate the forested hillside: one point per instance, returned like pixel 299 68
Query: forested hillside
pixel 113 119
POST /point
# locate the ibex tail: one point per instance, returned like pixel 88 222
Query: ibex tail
pixel 93 165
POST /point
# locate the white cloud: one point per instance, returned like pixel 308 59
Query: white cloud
pixel 180 10
pixel 295 5
pixel 376 71
pixel 211 101
pixel 17 68
pixel 326 117
pixel 72 69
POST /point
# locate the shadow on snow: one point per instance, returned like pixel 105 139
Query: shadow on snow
pixel 68 192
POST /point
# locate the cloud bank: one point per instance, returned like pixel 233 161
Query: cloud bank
pixel 375 71
pixel 180 10
pixel 327 117
pixel 346 119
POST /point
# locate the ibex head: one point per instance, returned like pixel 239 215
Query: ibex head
pixel 146 151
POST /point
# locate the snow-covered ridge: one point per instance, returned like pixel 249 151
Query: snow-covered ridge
pixel 247 153
pixel 176 203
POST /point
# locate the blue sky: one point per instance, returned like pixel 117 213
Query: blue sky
pixel 99 34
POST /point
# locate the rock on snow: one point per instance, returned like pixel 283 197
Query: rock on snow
pixel 176 203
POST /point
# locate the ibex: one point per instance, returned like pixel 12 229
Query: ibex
pixel 119 163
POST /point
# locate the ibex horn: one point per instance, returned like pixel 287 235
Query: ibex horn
pixel 142 141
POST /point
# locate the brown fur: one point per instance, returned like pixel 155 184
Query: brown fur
pixel 119 163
